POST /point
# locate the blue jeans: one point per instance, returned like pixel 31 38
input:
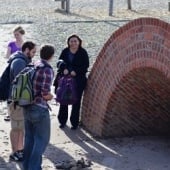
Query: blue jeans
pixel 37 135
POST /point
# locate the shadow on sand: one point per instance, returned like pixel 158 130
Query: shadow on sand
pixel 93 149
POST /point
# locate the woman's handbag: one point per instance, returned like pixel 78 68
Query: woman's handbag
pixel 66 92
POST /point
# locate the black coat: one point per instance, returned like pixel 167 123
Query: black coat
pixel 79 64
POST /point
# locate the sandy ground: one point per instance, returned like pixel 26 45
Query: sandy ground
pixel 44 23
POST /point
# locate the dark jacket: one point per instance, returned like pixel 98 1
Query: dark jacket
pixel 18 64
pixel 80 62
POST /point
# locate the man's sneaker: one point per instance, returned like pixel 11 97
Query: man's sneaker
pixel 16 156
pixel 21 152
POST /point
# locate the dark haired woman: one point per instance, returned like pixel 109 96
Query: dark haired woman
pixel 76 62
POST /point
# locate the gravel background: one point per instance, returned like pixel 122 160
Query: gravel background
pixel 45 23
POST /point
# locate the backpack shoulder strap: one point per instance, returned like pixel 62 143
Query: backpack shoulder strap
pixel 22 58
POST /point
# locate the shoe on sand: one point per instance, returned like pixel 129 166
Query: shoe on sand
pixel 7 118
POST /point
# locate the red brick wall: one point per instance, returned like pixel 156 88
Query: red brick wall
pixel 128 91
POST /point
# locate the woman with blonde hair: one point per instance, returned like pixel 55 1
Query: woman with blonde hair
pixel 16 45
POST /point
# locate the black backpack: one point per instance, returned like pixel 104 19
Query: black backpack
pixel 5 81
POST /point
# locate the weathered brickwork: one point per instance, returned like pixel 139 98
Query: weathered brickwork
pixel 128 91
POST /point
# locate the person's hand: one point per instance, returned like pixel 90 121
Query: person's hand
pixel 65 71
pixel 73 73
pixel 48 97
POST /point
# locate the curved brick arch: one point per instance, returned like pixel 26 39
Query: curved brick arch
pixel 142 43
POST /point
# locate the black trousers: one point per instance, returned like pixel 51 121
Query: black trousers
pixel 75 111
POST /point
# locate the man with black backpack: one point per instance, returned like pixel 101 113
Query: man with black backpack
pixel 19 61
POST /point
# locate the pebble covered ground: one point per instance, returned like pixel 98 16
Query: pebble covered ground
pixel 44 22
pixel 89 19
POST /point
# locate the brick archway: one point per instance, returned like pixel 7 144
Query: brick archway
pixel 128 91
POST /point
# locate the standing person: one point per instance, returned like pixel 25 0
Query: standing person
pixel 76 62
pixel 19 62
pixel 37 118
pixel 14 46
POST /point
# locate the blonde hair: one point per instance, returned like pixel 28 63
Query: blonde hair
pixel 20 30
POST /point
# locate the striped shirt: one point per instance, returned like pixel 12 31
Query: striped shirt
pixel 42 82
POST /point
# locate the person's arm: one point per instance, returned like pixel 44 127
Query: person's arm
pixel 8 53
pixel 48 96
pixel 47 83
pixel 18 65
pixel 63 68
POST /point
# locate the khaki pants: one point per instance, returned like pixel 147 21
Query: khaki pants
pixel 17 117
